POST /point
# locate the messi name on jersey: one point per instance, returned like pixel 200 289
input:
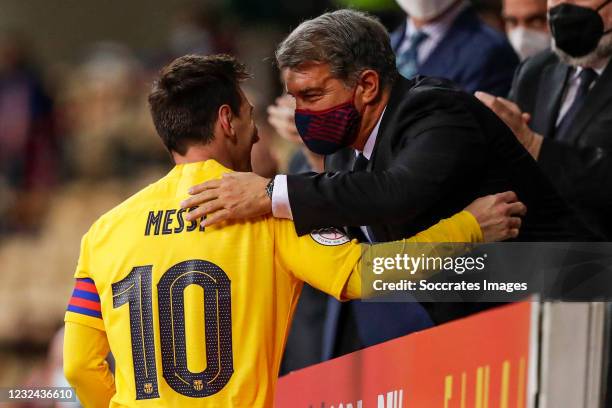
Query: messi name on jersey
pixel 166 222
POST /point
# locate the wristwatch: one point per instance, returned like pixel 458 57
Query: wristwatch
pixel 270 188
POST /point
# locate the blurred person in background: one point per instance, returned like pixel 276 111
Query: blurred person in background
pixel 447 39
pixel 281 116
pixel 526 26
pixel 385 10
pixel 190 33
pixel 29 148
pixel 490 11
pixel 198 29
pixel 108 130
pixel 264 157
pixel 560 108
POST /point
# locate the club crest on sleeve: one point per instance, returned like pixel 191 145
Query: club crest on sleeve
pixel 329 237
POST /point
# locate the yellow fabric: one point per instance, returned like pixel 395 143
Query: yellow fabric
pixel 85 366
pixel 461 227
pixel 264 260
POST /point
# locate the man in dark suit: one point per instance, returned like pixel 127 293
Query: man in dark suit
pixel 447 39
pixel 401 154
pixel 441 38
pixel 562 112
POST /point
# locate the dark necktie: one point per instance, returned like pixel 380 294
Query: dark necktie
pixel 407 62
pixel 587 76
pixel 361 163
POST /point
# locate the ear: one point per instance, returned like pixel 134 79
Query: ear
pixel 370 84
pixel 224 118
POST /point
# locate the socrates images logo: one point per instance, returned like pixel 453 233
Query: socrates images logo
pixel 329 237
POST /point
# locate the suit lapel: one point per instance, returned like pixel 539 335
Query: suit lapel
pixel 381 148
pixel 345 158
pixel 596 100
pixel 398 92
pixel 548 99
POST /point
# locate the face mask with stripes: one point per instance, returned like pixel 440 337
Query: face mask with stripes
pixel 327 131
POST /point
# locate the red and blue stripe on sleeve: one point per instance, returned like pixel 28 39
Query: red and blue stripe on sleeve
pixel 85 299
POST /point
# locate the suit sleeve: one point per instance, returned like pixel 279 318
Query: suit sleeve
pixel 430 162
pixel 581 173
pixel 526 81
pixel 460 228
pixel 513 95
pixel 324 259
pixel 85 366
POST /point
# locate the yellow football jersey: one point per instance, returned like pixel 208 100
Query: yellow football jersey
pixel 197 316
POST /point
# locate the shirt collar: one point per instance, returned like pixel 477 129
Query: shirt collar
pixel 209 167
pixel 368 149
pixel 437 29
pixel 599 70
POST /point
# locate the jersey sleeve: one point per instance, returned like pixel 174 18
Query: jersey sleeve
pixel 329 261
pixel 85 365
pixel 461 228
pixel 84 306
pixel 324 259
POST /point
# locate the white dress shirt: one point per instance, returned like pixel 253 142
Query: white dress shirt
pixel 435 33
pixel 281 207
pixel 572 90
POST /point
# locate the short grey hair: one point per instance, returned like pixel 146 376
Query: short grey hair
pixel 349 41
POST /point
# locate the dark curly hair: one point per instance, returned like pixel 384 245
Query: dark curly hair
pixel 187 95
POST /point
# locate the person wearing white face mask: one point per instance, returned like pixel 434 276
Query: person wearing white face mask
pixel 526 26
pixel 447 39
pixel 426 10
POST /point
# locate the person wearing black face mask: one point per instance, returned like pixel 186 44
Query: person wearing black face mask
pixel 578 32
pixel 561 108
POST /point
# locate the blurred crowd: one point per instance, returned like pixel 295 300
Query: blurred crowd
pixel 69 126
pixel 65 127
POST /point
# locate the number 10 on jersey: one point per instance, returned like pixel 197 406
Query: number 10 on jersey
pixel 136 290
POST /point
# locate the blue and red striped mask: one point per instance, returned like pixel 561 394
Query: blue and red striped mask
pixel 327 131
